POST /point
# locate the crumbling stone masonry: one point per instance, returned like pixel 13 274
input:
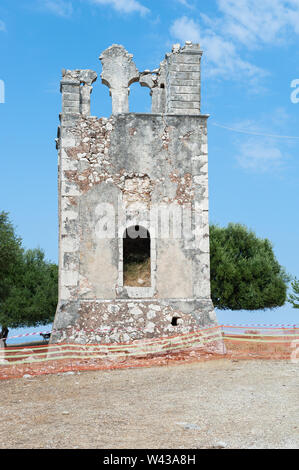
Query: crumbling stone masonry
pixel 146 171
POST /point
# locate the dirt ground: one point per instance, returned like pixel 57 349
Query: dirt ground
pixel 221 403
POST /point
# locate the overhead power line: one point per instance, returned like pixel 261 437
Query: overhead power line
pixel 261 134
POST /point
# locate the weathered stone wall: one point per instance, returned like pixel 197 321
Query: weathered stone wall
pixel 183 80
pixel 108 321
pixel 129 170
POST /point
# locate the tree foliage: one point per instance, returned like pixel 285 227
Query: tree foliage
pixel 10 255
pixel 28 283
pixel 294 296
pixel 245 274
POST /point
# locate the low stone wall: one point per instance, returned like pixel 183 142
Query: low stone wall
pixel 88 322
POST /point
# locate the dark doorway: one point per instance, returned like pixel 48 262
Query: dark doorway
pixel 137 257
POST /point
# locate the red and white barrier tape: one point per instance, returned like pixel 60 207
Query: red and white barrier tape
pixel 103 330
pixel 106 330
pixel 264 326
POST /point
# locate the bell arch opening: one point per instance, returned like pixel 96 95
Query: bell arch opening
pixel 140 100
pixel 137 257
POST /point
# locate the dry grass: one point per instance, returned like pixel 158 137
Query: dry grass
pixel 138 274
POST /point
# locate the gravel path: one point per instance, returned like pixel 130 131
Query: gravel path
pixel 221 403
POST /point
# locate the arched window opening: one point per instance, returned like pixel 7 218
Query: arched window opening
pixel 137 257
pixel 140 100
pixel 100 100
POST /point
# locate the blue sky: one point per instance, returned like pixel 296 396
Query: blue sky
pixel 250 60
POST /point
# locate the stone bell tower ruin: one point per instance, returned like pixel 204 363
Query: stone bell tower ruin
pixel 134 187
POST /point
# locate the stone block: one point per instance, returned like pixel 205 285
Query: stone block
pixel 184 104
pixel 186 97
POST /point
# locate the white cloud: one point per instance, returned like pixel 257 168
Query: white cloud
pixel 267 150
pixel 240 24
pixel 221 54
pixel 64 8
pixel 124 6
pixel 58 7
pixel 185 29
pixel 260 155
pixel 256 22
pixel 185 3
pixel 2 26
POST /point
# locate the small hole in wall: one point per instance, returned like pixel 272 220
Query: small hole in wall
pixel 175 321
pixel 162 85
pixel 137 257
